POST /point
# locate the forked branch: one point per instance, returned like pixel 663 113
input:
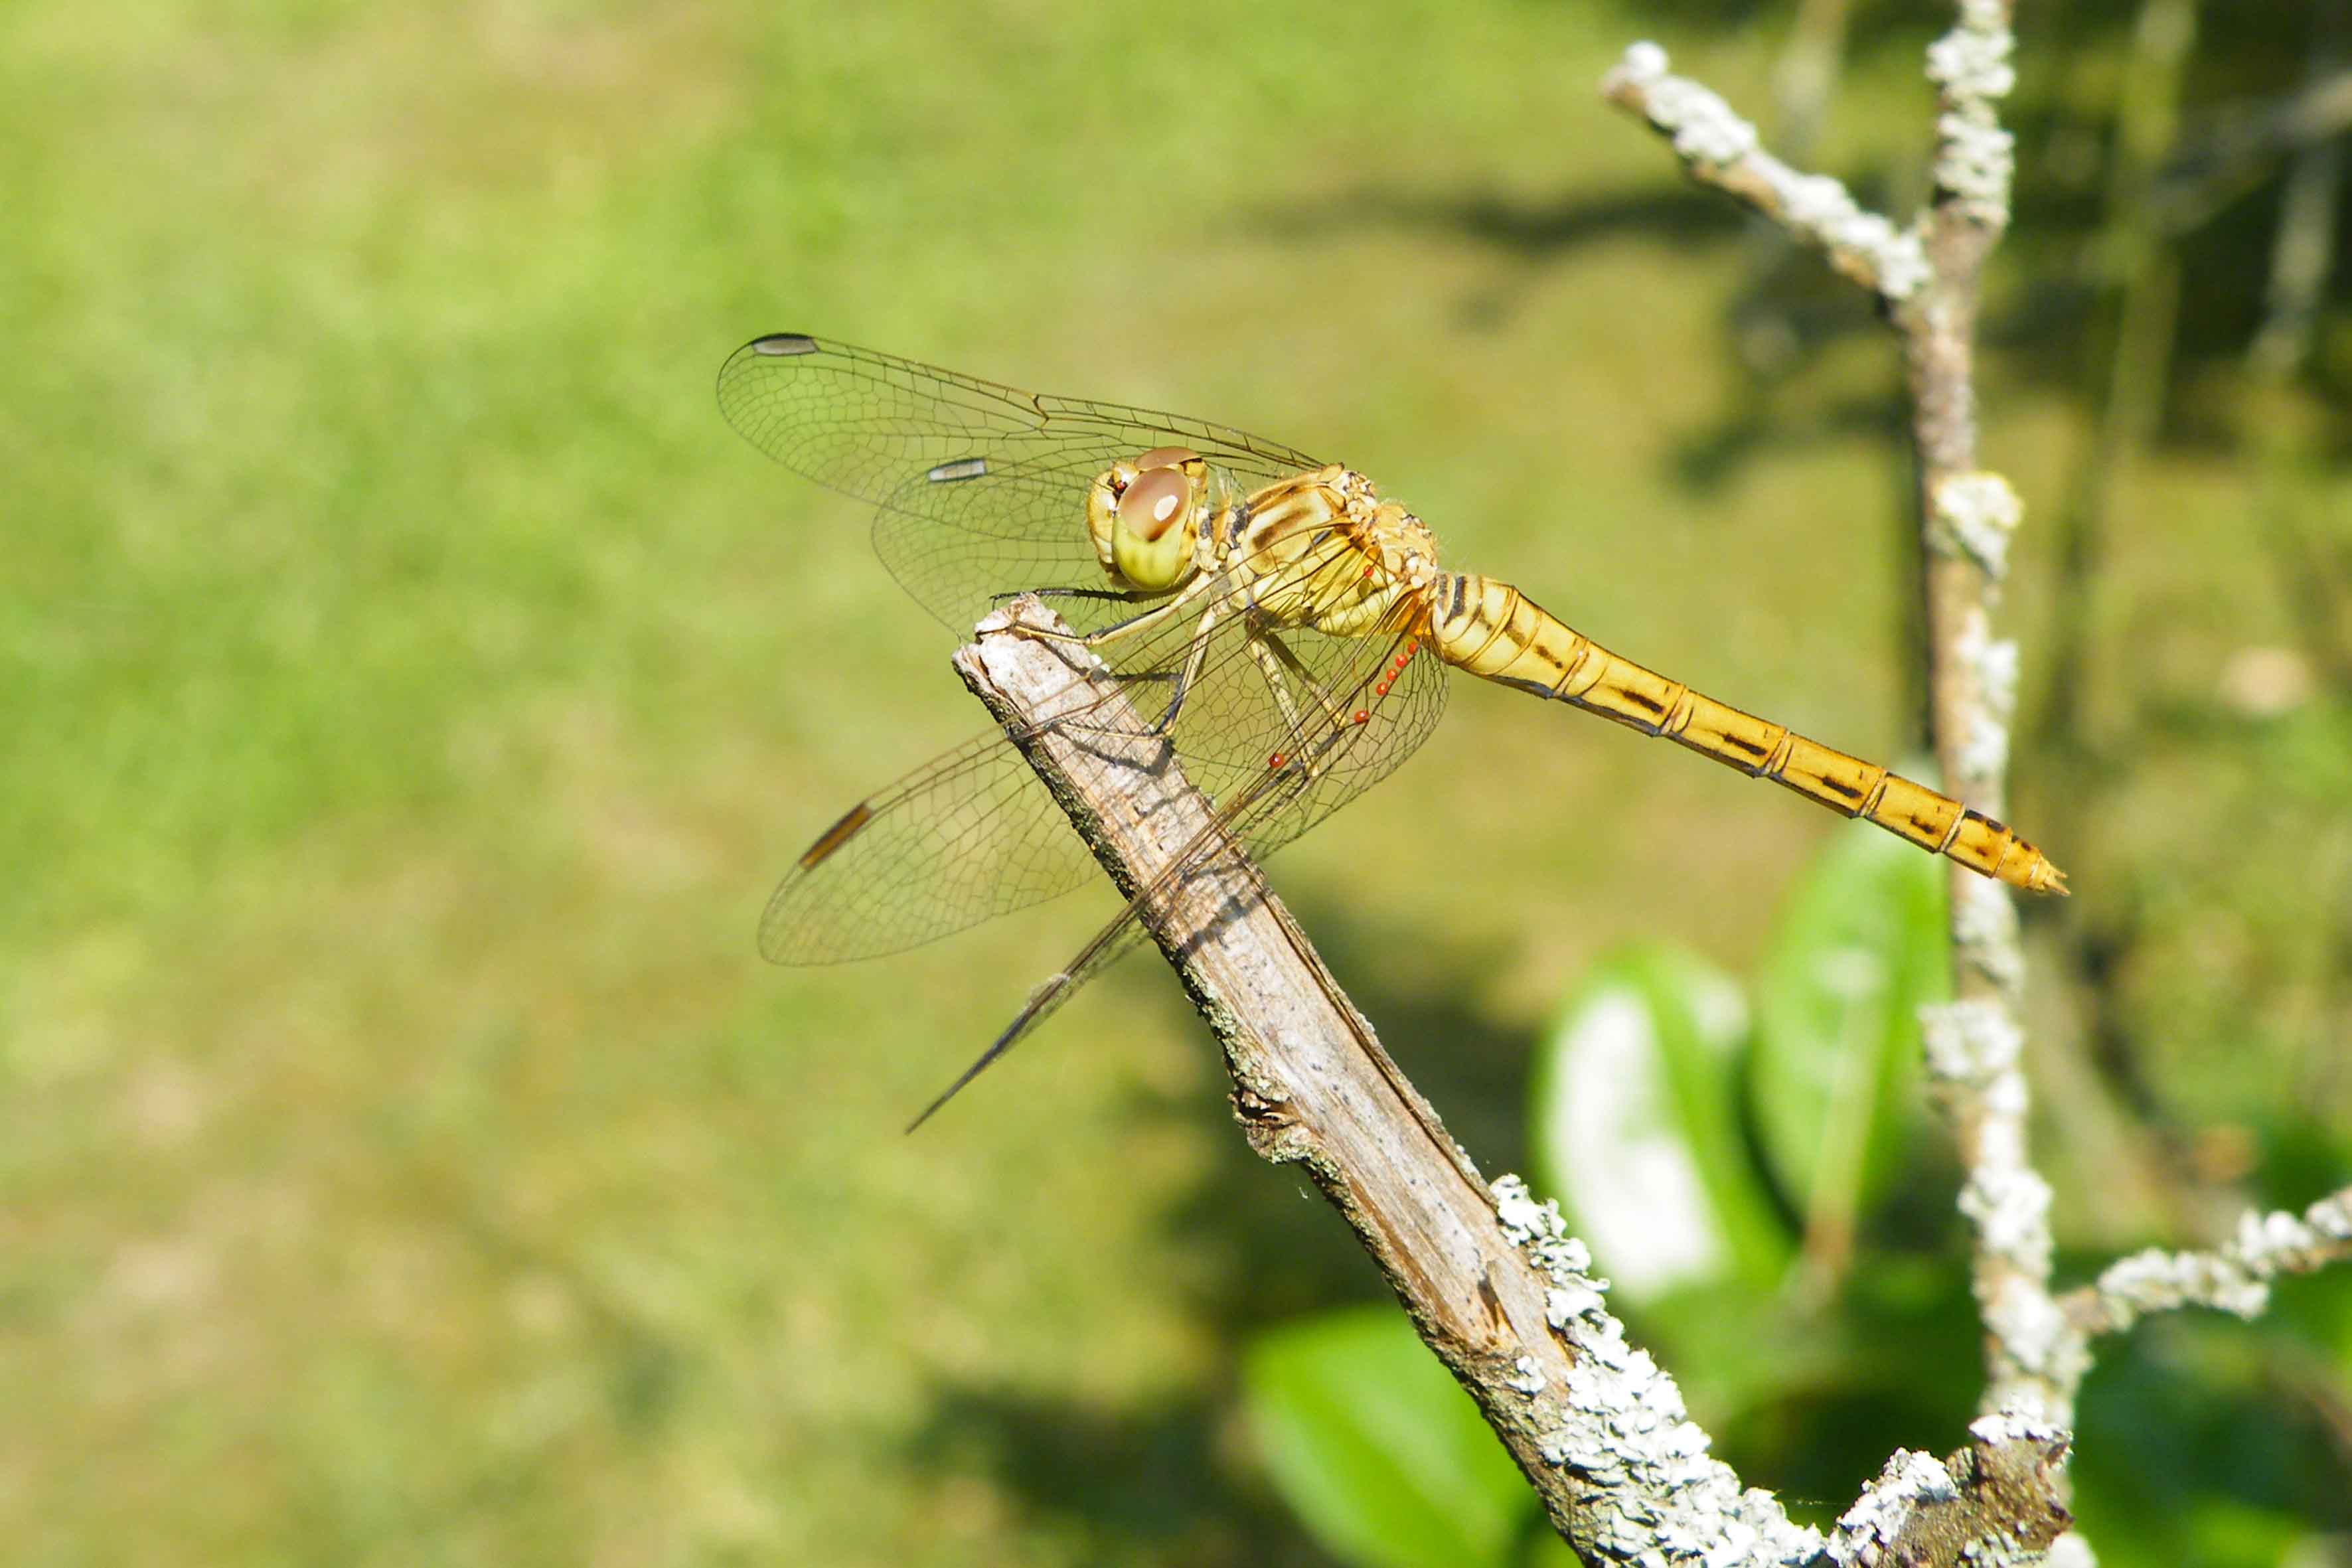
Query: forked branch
pixel 1489 1278
pixel 1927 277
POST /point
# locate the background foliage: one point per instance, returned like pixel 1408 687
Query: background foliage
pixel 412 690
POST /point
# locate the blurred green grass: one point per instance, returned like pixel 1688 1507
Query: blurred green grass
pixel 414 689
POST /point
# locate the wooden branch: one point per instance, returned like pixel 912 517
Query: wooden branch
pixel 1489 1278
pixel 1718 148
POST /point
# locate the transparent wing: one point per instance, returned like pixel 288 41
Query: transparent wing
pixel 981 488
pixel 1338 763
pixel 981 491
pixel 969 836
pixel 974 834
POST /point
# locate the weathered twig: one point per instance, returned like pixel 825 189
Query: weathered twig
pixel 2233 1278
pixel 1489 1278
pixel 1719 149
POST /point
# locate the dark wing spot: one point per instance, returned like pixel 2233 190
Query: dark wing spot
pixel 839 833
pixel 961 468
pixel 785 343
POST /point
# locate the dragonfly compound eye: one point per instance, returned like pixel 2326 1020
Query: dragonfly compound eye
pixel 1166 458
pixel 1152 539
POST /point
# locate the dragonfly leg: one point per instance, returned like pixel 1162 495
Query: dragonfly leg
pixel 1305 678
pixel 1271 656
pixel 1149 618
pixel 1189 673
pixel 1120 595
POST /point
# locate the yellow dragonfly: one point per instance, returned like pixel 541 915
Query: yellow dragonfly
pixel 1278 623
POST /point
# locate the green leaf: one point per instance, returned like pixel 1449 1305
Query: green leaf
pixel 1635 1127
pixel 1377 1449
pixel 1836 1060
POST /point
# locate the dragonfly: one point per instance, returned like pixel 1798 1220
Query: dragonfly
pixel 1268 616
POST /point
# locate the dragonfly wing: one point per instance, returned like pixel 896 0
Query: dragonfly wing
pixel 972 834
pixel 865 423
pixel 960 573
pixel 1329 759
pixel 1234 725
pixel 981 493
pixel 1113 941
pixel 969 836
pixel 981 488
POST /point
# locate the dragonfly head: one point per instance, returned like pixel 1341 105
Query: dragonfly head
pixel 1146 513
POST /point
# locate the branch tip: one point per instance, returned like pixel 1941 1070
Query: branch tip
pixel 2233 1278
pixel 1719 148
pixel 1976 160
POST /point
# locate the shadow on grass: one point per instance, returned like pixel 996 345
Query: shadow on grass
pixel 1144 1484
pixel 1530 230
pixel 1787 313
pixel 1176 1479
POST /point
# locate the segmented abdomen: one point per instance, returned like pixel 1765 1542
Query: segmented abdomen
pixel 1492 629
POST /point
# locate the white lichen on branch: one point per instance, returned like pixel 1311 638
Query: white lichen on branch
pixel 1991 663
pixel 1976 514
pixel 1620 1423
pixel 1983 918
pixel 1720 149
pixel 1970 1045
pixel 1702 125
pixel 1976 160
pixel 1908 1479
pixel 1972 515
pixel 2233 1278
pixel 1661 1499
pixel 1975 1052
pixel 1991 1504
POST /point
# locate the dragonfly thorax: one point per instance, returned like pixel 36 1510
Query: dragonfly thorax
pixel 1146 516
pixel 1323 550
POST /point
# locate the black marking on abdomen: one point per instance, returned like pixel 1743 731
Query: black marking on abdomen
pixel 1844 796
pixel 1658 711
pixel 1749 754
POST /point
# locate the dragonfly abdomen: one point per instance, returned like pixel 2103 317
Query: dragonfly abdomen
pixel 1492 629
